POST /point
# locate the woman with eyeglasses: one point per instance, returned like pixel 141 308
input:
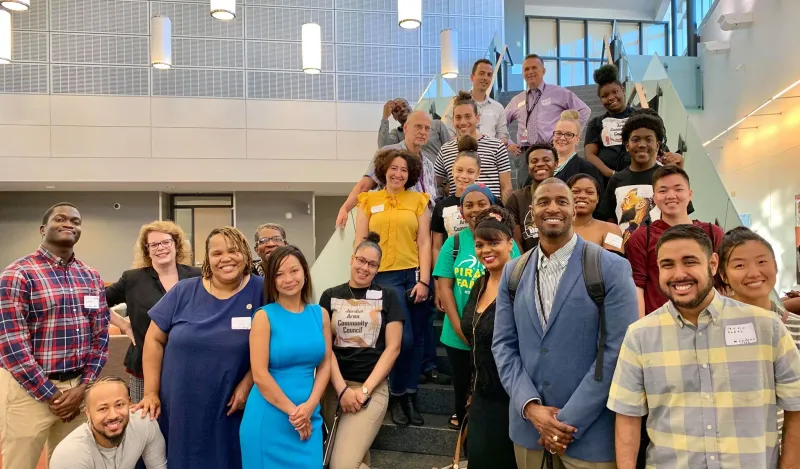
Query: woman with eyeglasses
pixel 566 138
pixel 586 195
pixel 162 258
pixel 367 324
pixel 268 238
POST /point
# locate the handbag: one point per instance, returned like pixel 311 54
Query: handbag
pixel 547 461
pixel 330 433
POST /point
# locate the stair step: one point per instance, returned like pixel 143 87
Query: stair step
pixel 381 459
pixel 434 438
pixel 436 398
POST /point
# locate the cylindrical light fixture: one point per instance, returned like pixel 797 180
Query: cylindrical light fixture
pixel 449 40
pixel 16 5
pixel 5 37
pixel 223 9
pixel 312 48
pixel 161 42
pixel 409 13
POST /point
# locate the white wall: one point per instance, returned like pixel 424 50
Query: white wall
pixel 173 140
pixel 759 166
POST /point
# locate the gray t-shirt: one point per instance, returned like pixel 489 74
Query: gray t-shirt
pixel 143 439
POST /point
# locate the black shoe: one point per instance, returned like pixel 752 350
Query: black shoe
pixel 413 414
pixel 399 410
pixel 433 376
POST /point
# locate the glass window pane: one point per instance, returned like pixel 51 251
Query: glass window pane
pixel 542 37
pixel 597 30
pixel 592 67
pixel 655 39
pixel 551 72
pixel 573 73
pixel 572 37
pixel 630 37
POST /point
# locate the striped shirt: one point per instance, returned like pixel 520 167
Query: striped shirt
pixel 549 272
pixel 709 391
pixel 494 161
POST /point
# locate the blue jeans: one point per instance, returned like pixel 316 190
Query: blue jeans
pixel 405 373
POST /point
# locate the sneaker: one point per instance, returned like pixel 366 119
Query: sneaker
pixel 399 410
pixel 413 414
pixel 433 376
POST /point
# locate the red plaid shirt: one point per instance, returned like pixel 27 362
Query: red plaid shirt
pixel 53 318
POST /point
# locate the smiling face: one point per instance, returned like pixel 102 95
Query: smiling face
pixel 566 138
pixel 613 98
pixel 108 411
pixel 672 195
pixel 397 174
pixel 290 278
pixel 482 77
pixel 643 147
pixel 494 253
pixel 685 272
pixel 401 110
pixel 363 266
pixel 751 272
pixel 465 172
pixel 161 248
pixel 585 195
pixel 474 203
pixel 63 228
pixel 553 210
pixel 268 240
pixel 465 119
pixel 226 261
pixel 541 164
pixel 533 71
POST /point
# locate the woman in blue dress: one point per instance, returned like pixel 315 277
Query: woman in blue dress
pixel 196 357
pixel 290 353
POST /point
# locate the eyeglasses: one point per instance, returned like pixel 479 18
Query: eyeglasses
pixel 164 244
pixel 274 239
pixel 567 135
pixel 361 262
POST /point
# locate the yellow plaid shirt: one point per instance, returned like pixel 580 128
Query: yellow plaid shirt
pixel 710 391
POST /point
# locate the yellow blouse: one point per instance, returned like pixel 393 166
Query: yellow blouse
pixel 394 217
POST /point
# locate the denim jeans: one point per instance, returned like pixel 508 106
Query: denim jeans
pixel 405 373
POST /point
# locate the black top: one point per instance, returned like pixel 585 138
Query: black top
pixel 141 289
pixel 485 372
pixel 452 222
pixel 519 205
pixel 577 165
pixel 606 132
pixel 359 332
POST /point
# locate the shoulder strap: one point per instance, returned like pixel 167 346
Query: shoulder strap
pixel 456 245
pixel 516 275
pixel 593 278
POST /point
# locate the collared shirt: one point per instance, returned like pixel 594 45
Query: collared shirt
pixel 438 137
pixel 545 104
pixel 563 164
pixel 493 119
pixel 427 180
pixel 549 273
pixel 709 391
pixel 53 318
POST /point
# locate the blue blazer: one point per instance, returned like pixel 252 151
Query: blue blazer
pixel 557 366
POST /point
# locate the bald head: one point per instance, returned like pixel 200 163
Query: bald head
pixel 417 130
pixel 552 181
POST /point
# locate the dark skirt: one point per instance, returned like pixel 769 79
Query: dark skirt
pixel 488 444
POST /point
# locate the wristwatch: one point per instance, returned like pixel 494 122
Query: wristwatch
pixel 365 391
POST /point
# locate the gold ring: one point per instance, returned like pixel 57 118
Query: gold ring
pixel 555 438
pixel 551 451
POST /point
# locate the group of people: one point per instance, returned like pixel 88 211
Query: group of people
pixel 574 307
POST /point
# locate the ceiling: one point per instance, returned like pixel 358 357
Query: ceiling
pixel 594 8
pixel 175 188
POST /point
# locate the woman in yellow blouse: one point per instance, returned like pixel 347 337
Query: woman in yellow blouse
pixel 403 221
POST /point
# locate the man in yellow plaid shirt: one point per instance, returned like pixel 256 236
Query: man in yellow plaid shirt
pixel 707 371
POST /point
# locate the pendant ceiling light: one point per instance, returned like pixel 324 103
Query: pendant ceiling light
pixel 223 9
pixel 312 48
pixel 409 13
pixel 161 42
pixel 449 40
pixel 5 37
pixel 16 5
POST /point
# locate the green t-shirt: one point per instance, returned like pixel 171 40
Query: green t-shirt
pixel 464 270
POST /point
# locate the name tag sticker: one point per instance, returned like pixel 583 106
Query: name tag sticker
pixel 241 324
pixel 547 102
pixel 91 302
pixel 740 334
pixel 374 294
pixel 613 240
pixel 521 104
pixel 376 209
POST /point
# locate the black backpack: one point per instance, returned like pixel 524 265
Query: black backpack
pixel 593 278
pixel 456 246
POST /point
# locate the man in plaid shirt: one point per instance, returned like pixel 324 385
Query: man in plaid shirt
pixel 707 371
pixel 53 340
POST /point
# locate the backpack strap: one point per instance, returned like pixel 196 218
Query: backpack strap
pixel 456 245
pixel 593 278
pixel 516 275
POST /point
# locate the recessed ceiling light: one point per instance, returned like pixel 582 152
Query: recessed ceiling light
pixel 49 187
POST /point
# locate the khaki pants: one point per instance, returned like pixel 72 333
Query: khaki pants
pixel 26 424
pixel 532 459
pixel 356 432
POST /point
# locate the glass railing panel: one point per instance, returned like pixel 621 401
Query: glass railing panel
pixel 332 266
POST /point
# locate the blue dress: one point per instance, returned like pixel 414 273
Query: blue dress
pixel 206 356
pixel 296 347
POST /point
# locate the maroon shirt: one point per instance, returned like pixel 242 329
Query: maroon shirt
pixel 644 262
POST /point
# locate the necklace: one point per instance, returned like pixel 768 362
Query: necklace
pixel 585 224
pixel 353 293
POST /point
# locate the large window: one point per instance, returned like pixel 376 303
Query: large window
pixel 572 47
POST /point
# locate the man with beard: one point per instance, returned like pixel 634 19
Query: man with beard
pixel 546 340
pixel 53 340
pixel 707 371
pixel 111 438
pixel 268 237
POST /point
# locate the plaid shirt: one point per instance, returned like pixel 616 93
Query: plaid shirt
pixel 711 391
pixel 48 322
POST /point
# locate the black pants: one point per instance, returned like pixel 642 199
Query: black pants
pixel 461 364
pixel 489 445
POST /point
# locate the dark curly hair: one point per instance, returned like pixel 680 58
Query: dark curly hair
pixel 384 159
pixel 492 215
pixel 606 75
pixel 644 119
pixel 465 97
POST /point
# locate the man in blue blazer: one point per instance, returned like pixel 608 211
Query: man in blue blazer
pixel 546 343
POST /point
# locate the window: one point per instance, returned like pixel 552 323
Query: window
pixel 597 31
pixel 655 39
pixel 572 40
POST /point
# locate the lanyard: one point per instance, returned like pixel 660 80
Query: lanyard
pixel 535 102
pixel 539 292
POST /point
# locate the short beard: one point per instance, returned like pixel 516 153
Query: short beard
pixel 703 291
pixel 114 440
